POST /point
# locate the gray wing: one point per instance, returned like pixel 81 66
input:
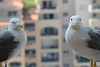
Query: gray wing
pixel 94 41
pixel 7 45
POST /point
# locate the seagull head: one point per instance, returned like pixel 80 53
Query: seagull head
pixel 15 24
pixel 75 22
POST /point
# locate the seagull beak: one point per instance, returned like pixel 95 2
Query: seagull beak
pixel 76 24
pixel 20 26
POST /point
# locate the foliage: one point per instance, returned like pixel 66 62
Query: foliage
pixel 2 28
pixel 28 4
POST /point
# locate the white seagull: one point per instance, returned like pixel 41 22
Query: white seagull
pixel 84 40
pixel 12 41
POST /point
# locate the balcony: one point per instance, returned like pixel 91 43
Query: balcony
pixel 95 22
pixel 30 27
pixel 81 59
pixel 49 31
pixel 49 44
pixel 7 14
pixel 11 3
pixel 30 53
pixel 30 40
pixel 49 16
pixel 50 57
pixel 49 6
pixel 6 18
pixel 30 64
pixel 51 66
pixel 95 8
pixel 49 10
pixel 15 64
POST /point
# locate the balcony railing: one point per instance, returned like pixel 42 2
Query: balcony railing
pixel 30 53
pixel 12 3
pixel 54 18
pixel 50 7
pixel 96 6
pixel 31 56
pixel 44 46
pixel 30 29
pixel 49 33
pixel 15 64
pixel 81 59
pixel 51 66
pixel 30 64
pixel 30 42
pixel 50 57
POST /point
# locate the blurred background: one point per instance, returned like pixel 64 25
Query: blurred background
pixel 45 22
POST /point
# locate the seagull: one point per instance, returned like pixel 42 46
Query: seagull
pixel 84 40
pixel 12 41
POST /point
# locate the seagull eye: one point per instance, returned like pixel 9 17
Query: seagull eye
pixel 71 19
pixel 13 22
pixel 79 19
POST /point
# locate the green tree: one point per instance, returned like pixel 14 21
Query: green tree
pixel 28 4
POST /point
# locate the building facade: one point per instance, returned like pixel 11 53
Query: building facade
pixel 54 16
pixel 10 9
pixel 46 46
pixel 31 28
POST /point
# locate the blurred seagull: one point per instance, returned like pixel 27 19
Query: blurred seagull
pixel 12 41
pixel 84 40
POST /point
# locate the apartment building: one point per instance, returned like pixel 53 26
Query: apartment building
pixel 89 10
pixel 8 10
pixel 54 16
pixel 68 10
pixel 31 28
pixel 46 46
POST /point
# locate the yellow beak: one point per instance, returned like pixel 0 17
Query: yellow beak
pixel 76 24
pixel 20 26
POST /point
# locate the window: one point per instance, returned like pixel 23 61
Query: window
pixel 66 65
pixel 66 53
pixel 65 14
pixel 94 1
pixel 48 5
pixel 50 66
pixel 48 16
pixel 30 26
pixel 65 1
pixel 49 31
pixel 94 15
pixel 64 40
pixel 30 64
pixel 30 53
pixel 50 57
pixel 81 59
pixel 12 13
pixel 1 0
pixel 15 64
pixel 49 44
pixel 30 40
pixel 82 5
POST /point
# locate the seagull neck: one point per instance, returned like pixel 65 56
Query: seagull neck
pixel 75 27
pixel 13 29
